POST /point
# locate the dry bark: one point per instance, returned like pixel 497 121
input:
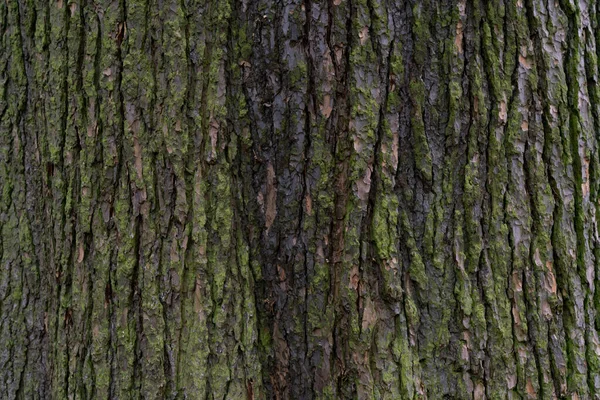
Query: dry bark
pixel 299 199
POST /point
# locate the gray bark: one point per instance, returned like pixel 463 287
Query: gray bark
pixel 299 199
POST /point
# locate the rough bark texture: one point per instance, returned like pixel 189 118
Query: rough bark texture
pixel 299 199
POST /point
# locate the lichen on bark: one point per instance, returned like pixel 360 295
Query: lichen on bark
pixel 299 199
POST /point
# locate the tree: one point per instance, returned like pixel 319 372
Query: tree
pixel 299 199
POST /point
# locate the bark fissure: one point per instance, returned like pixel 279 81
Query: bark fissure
pixel 299 199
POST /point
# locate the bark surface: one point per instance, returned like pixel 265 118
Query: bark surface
pixel 299 199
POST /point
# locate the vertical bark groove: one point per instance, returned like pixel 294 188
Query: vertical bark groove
pixel 299 199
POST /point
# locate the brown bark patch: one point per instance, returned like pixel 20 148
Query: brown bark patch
pixel 213 133
pixel 363 35
pixel 282 358
pixel 354 278
pixel 551 282
pixel 546 311
pixel 585 186
pixel 137 152
pixel 458 41
pixel 271 197
pixel 524 62
pixel 363 186
pixel 81 254
pixel 327 106
pixel 369 315
pixel 281 273
pixel 503 113
pixel 479 392
pixel 530 389
pixel 308 203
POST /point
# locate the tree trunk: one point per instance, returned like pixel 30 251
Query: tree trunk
pixel 372 199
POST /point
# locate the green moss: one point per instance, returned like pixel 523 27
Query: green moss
pixel 420 31
pixel 416 267
pixel 422 153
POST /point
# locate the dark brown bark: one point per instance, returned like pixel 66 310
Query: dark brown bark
pixel 299 199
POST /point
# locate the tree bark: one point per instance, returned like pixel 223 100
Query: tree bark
pixel 372 199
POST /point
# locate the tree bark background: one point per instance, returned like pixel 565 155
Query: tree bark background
pixel 299 199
